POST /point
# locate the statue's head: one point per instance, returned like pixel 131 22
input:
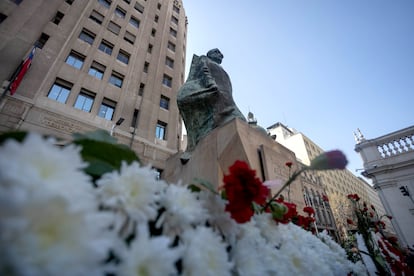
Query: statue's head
pixel 215 55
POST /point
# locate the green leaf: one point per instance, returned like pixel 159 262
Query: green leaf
pixel 223 194
pixel 278 210
pixel 97 135
pixel 206 185
pixel 194 188
pixel 104 157
pixel 16 135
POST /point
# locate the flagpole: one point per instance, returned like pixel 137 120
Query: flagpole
pixel 5 91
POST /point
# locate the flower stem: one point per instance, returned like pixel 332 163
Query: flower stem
pixel 288 182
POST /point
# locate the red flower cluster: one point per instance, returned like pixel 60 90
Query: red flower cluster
pixel 288 164
pixel 325 198
pixel 309 210
pixel 349 221
pixel 292 215
pixel 242 187
pixel 394 257
pixel 291 212
pixel 354 197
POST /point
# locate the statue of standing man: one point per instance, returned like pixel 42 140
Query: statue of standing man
pixel 205 100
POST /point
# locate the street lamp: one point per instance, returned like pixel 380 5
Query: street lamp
pixel 118 123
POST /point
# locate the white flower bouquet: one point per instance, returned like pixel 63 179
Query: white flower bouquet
pixel 89 208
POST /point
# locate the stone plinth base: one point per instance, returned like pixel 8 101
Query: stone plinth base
pixel 216 152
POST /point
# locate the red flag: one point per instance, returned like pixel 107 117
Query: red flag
pixel 21 72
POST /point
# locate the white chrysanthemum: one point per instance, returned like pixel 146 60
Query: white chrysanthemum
pixel 218 218
pixel 250 252
pixel 46 237
pixel 182 209
pixel 38 160
pixel 303 252
pixel 267 226
pixel 357 268
pixel 205 253
pixel 150 256
pixel 134 188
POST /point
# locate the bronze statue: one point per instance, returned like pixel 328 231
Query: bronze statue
pixel 205 100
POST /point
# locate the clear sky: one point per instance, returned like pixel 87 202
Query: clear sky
pixel 323 67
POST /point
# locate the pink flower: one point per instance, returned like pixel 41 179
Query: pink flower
pixel 329 160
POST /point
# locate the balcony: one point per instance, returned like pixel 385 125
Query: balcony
pixel 387 152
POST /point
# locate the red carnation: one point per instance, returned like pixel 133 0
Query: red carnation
pixel 325 198
pixel 309 210
pixel 349 221
pixel 354 197
pixel 242 188
pixel 288 164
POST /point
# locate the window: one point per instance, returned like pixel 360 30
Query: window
pixel 40 43
pixel 60 91
pixel 75 59
pixel 123 57
pixel 115 28
pixel 146 66
pixel 149 50
pixel 169 62
pixel 17 2
pixel 106 47
pixel 167 80
pixel 139 7
pixel 134 22
pixel 129 37
pixel 105 3
pixel 127 1
pixel 171 46
pixel 107 108
pixel 160 130
pixel 156 18
pixel 153 31
pixel 2 17
pixel 174 19
pixel 120 12
pixel 97 17
pixel 135 118
pixel 173 32
pixel 176 9
pixel 159 6
pixel 164 102
pixel 69 1
pixel 85 100
pixel 141 89
pixel 116 79
pixel 97 70
pixel 87 36
pixel 57 18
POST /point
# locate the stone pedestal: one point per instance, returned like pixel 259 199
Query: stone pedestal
pixel 236 140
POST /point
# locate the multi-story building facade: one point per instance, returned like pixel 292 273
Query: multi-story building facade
pixel 100 64
pixel 336 183
pixel 389 162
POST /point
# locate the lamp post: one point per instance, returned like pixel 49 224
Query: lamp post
pixel 118 123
